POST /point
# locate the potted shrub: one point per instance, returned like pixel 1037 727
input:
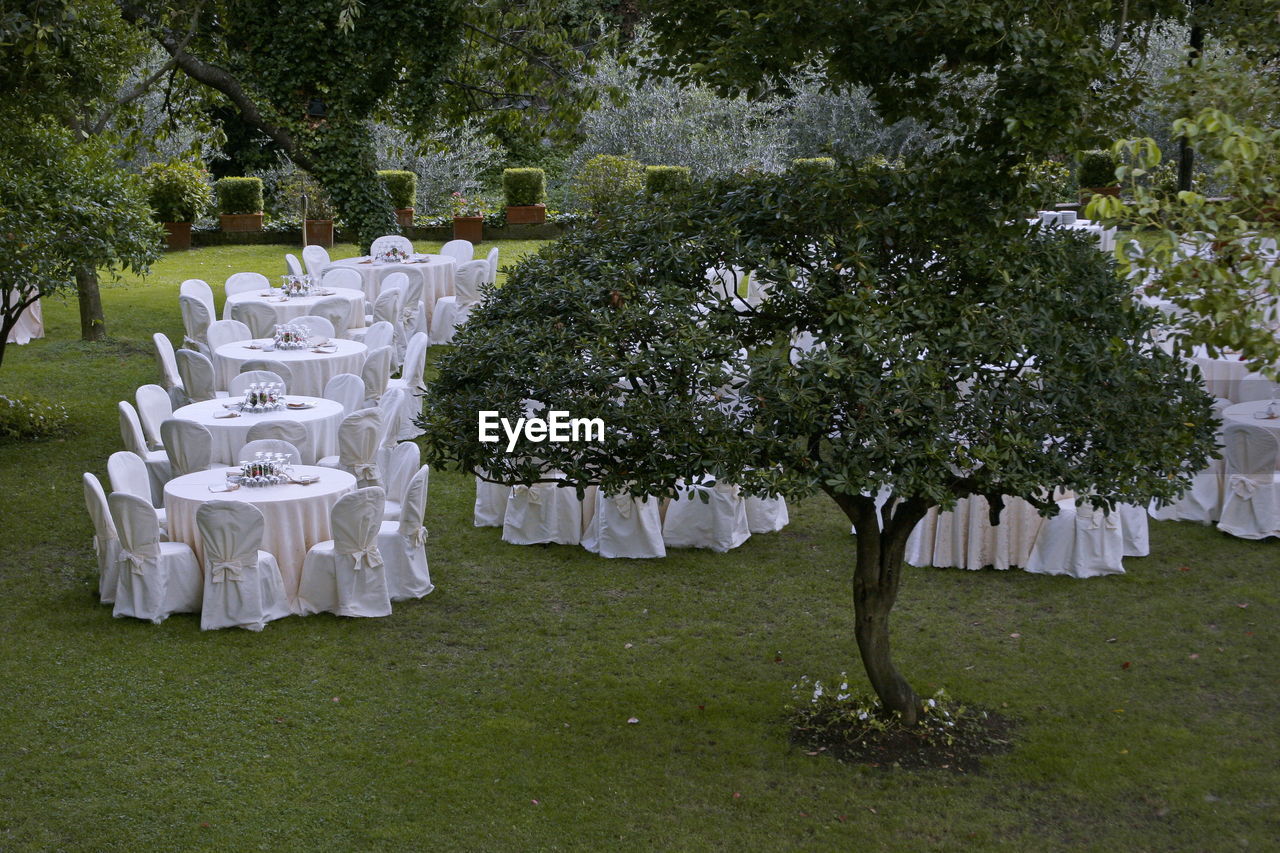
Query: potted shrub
pixel 403 189
pixel 525 190
pixel 240 203
pixel 1096 175
pixel 661 179
pixel 178 192
pixel 316 208
pixel 468 218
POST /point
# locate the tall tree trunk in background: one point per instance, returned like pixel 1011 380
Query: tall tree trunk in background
pixel 93 323
pixel 1186 156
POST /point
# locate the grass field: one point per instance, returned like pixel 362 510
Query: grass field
pixel 492 715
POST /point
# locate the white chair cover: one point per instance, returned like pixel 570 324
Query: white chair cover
pixel 158 468
pixel 344 277
pixel 269 445
pixel 1079 541
pixel 346 575
pixel 391 404
pixel 491 503
pixel 167 362
pixel 492 261
pixel 259 317
pixel 154 578
pixel 128 473
pixel 264 365
pixel 623 526
pixel 337 311
pixel 403 543
pixel 375 373
pixel 189 445
pixel 242 585
pixel 1202 501
pixel 720 524
pixel 290 431
pixel 197 375
pixel 154 406
pixel 452 312
pixel 198 288
pixel 347 389
pixel 316 258
pixel 196 318
pixel 106 545
pixel 460 250
pixel 292 263
pixel 227 331
pixel 398 464
pixel 540 513
pixel 318 328
pixel 359 439
pixel 415 363
pixel 767 515
pixel 1251 509
pixel 1134 529
pixel 388 241
pixel 240 382
pixel 246 282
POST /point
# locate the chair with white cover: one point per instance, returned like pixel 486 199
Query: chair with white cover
pixel 1203 500
pixel 154 578
pixel 246 282
pixel 346 575
pixel 266 365
pixel 492 260
pixel 719 524
pixel 189 445
pixel 376 373
pixel 318 328
pixel 290 431
pixel 293 265
pixel 398 464
pixel 223 332
pixel 413 312
pixel 392 406
pixel 157 461
pixel 316 259
pixel 241 381
pixel 196 319
pixel 154 407
pixel 242 584
pixel 491 503
pixel 197 374
pixel 767 515
pixel 402 541
pixel 410 381
pixel 380 334
pixel 390 241
pixel 1251 509
pixel 258 316
pixel 541 513
pixel 359 439
pixel 451 312
pixel 199 289
pixel 337 311
pixel 270 445
pixel 106 544
pixel 128 473
pixel 625 526
pixel 1079 541
pixel 1255 386
pixel 346 389
pixel 386 309
pixel 168 363
pixel 342 277
pixel 1134 530
pixel 460 250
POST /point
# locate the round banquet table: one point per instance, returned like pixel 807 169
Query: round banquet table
pixel 321 421
pixel 297 306
pixel 1221 375
pixel 1247 413
pixel 310 369
pixel 437 272
pixel 296 517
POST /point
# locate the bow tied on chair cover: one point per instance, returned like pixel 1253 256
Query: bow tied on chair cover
pixel 366 557
pixel 147 552
pixel 624 505
pixel 228 570
pixel 416 538
pixel 534 495
pixel 1242 487
pixel 366 470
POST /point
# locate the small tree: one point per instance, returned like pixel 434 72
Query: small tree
pixel 606 180
pixel 951 358
pixel 177 191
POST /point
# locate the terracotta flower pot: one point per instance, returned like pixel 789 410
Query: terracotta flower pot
pixel 241 221
pixel 320 232
pixel 404 217
pixel 527 214
pixel 468 228
pixel 177 235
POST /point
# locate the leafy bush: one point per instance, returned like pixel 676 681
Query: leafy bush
pixel 606 179
pixel 1095 169
pixel 401 185
pixel 813 163
pixel 178 191
pixel 298 187
pixel 28 419
pixel 239 195
pixel 660 179
pixel 463 206
pixel 1050 182
pixel 524 186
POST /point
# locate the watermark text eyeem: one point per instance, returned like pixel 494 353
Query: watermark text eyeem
pixel 557 427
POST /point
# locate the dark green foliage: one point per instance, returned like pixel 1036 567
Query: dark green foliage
pixel 402 186
pixel 524 186
pixel 1095 168
pixel 660 179
pixel 239 195
pixel 606 180
pixel 177 191
pixel 28 419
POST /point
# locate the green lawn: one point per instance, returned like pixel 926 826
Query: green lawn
pixel 492 715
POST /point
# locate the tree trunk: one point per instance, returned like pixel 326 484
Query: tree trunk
pixel 93 324
pixel 1186 155
pixel 876 577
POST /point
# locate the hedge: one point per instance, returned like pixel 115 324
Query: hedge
pixel 239 195
pixel 401 186
pixel 523 187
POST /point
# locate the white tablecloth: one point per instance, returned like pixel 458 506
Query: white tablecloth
pixel 30 325
pixel 1244 413
pixel 1221 375
pixel 296 517
pixel 230 434
pixel 437 271
pixel 311 370
pixel 963 538
pixel 290 309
